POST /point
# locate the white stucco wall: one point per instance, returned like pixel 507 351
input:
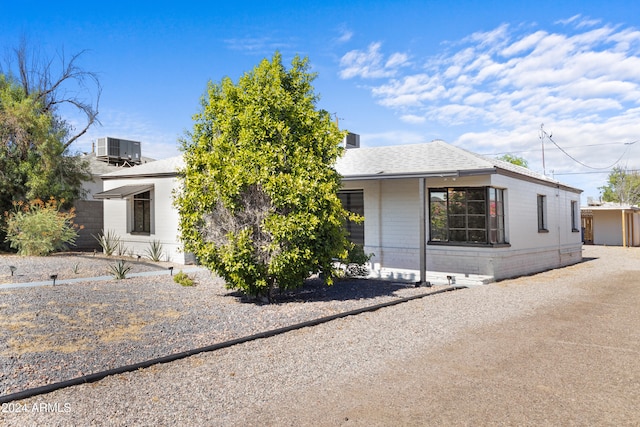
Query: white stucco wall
pixel 164 218
pixel 607 228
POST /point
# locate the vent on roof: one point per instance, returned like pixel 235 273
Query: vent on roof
pixel 352 140
pixel 592 202
pixel 119 151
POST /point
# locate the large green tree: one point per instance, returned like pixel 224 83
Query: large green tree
pixel 622 186
pixel 259 202
pixel 35 139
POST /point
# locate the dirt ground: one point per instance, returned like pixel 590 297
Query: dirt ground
pixel 576 364
pixel 573 360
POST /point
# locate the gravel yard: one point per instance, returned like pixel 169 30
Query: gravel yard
pixel 55 333
pixel 556 348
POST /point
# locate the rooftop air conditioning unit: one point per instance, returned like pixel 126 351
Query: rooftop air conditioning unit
pixel 352 140
pixel 119 150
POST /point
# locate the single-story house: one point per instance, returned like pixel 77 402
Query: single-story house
pixel 89 212
pixel 433 212
pixel 138 207
pixel 612 224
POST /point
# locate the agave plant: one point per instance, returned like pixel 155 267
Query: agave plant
pixel 120 269
pixel 154 251
pixel 109 242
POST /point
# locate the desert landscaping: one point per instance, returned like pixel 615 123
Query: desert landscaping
pixel 555 348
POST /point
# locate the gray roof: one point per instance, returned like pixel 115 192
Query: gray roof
pixel 99 167
pixel 436 158
pixel 611 206
pixel 164 167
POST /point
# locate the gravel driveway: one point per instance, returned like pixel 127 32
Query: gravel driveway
pixel 557 348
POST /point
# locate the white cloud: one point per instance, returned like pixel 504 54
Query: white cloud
pixel 413 119
pixel 261 44
pixel 345 35
pixel 496 87
pixel 584 70
pixel 370 63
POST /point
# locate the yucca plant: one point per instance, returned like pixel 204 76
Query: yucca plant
pixel 120 269
pixel 109 242
pixel 154 251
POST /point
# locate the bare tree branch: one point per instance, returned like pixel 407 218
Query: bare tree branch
pixel 69 86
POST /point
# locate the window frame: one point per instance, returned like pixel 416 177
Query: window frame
pixel 352 227
pixel 140 202
pixel 575 217
pixel 459 215
pixel 543 225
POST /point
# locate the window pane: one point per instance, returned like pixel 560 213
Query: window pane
pixel 438 215
pixel 477 222
pixel 457 221
pixel 477 236
pixel 462 214
pixel 542 221
pixel 457 202
pixel 476 194
pixel 458 235
pixel 142 212
pixel 476 208
pixel 353 201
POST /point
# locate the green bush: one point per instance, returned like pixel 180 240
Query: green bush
pixel 37 228
pixel 183 279
pixel 259 204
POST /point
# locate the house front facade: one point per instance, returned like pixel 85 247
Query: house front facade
pixel 433 213
pixel 138 208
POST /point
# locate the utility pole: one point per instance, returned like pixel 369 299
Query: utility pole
pixel 543 134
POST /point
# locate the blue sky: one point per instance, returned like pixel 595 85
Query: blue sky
pixel 482 75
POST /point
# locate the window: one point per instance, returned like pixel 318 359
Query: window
pixel 574 216
pixel 353 201
pixel 142 213
pixel 542 213
pixel 467 215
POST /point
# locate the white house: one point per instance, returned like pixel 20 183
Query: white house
pixel 612 224
pixel 138 207
pixel 433 212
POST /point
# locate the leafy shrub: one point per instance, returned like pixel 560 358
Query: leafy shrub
pixel 259 203
pixel 183 279
pixel 120 269
pixel 38 228
pixel 109 242
pixel 154 251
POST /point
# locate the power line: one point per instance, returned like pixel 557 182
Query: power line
pixel 572 146
pixel 627 145
pixel 594 172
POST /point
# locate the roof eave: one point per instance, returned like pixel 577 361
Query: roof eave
pixel 383 175
pixel 146 175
